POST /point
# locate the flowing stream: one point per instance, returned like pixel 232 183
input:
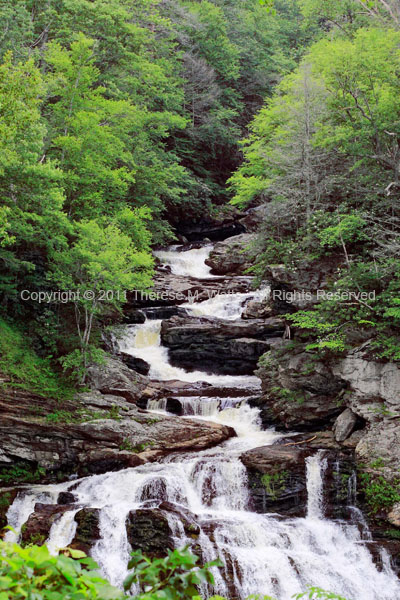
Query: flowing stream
pixel 262 553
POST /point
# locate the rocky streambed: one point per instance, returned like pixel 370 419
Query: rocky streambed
pixel 177 443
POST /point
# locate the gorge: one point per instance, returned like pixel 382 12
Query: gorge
pixel 277 507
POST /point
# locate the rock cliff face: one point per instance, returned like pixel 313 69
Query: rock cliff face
pixel 278 476
pixel 356 398
pixel 299 392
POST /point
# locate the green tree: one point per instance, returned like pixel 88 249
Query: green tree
pixel 85 132
pixel 101 265
pixel 30 188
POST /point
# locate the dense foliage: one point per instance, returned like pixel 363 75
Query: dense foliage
pixel 323 157
pixel 32 572
pixel 119 119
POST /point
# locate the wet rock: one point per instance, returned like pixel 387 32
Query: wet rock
pixel 173 290
pixel 383 542
pixel 114 377
pixel 7 497
pixel 136 364
pixel 36 529
pixel 188 520
pixel 151 529
pixel 87 529
pixel 277 479
pixel 133 316
pixel 299 390
pixel 232 256
pixel 165 312
pixel 66 498
pixel 344 425
pixel 218 345
pixel 148 530
pixel 116 435
pixel 278 476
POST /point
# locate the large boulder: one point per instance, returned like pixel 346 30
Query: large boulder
pixel 151 530
pixel 136 364
pixel 345 425
pixel 277 479
pixel 232 256
pixel 116 378
pixel 299 390
pixel 219 345
pixel 87 529
pixel 37 528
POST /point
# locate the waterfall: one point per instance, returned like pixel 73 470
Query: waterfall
pixel 264 554
pixel 316 466
pixel 226 306
pixel 62 532
pixel 190 263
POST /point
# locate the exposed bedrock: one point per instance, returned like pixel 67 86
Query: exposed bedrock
pixel 104 433
pixel 218 345
pixel 356 398
pixel 233 256
pixel 152 529
pixel 298 391
pixel 278 477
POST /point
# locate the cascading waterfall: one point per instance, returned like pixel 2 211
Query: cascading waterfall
pixel 226 306
pixel 261 553
pixel 190 263
pixel 62 532
pixel 316 466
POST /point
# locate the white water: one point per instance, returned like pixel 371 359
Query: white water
pixel 226 306
pixel 262 554
pixel 62 532
pixel 190 262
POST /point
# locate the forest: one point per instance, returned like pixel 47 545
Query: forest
pixel 122 120
pixel 124 124
pixel 119 120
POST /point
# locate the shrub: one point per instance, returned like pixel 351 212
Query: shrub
pixel 32 572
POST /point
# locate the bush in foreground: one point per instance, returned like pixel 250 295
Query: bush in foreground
pixel 31 573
